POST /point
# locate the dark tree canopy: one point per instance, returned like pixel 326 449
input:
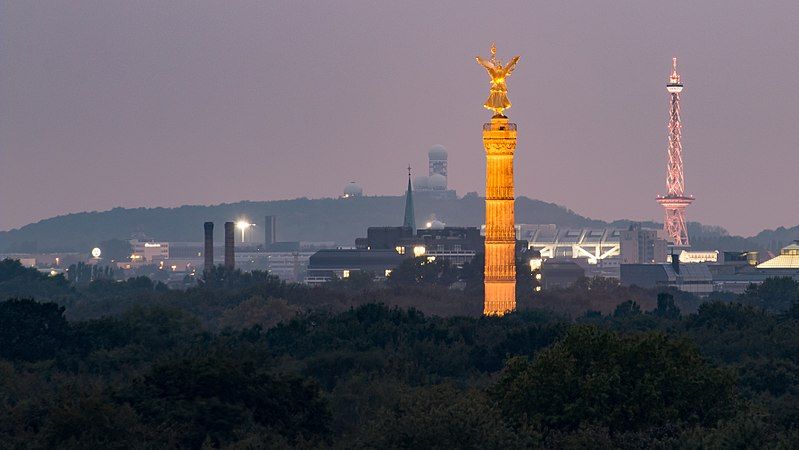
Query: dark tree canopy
pixel 246 360
pixel 623 383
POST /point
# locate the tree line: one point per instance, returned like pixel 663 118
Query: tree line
pixel 246 361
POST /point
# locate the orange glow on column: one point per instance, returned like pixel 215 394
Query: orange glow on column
pixel 499 140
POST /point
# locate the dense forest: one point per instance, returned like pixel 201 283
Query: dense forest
pixel 247 361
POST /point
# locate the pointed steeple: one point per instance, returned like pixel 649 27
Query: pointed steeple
pixel 410 219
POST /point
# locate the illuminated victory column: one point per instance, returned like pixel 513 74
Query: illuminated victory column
pixel 675 201
pixel 499 140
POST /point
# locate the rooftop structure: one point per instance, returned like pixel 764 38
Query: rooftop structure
pixel 436 178
pixel 434 184
pixel 593 244
pixel 694 278
pixel 787 259
pixel 352 190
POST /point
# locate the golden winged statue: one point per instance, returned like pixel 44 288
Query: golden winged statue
pixel 498 98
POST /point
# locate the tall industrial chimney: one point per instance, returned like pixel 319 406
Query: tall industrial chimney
pixel 209 247
pixel 270 231
pixel 230 233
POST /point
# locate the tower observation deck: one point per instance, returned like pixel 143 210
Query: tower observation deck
pixel 675 201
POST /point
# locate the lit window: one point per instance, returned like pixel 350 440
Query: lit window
pixel 538 288
pixel 538 276
pixel 419 250
pixel 388 272
pixel 345 274
pixel 400 249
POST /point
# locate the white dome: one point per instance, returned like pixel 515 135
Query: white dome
pixel 437 225
pixel 438 182
pixel 437 152
pixel 421 183
pixel 353 190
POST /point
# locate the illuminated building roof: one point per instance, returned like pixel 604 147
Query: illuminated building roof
pixel 593 244
pixel 787 259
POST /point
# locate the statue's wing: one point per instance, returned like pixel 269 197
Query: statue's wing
pixel 511 65
pixel 485 63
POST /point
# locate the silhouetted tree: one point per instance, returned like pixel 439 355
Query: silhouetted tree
pixel 31 331
pixel 627 309
pixel 666 307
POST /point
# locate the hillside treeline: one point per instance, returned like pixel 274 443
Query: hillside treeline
pixel 329 220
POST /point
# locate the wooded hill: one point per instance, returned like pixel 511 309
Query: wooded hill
pixel 327 219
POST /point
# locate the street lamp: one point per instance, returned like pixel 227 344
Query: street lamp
pixel 243 225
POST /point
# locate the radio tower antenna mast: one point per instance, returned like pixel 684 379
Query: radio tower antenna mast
pixel 675 201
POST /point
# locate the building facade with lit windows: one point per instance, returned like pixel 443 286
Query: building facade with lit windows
pixel 598 251
pixel 456 245
pixel 149 251
pixel 326 265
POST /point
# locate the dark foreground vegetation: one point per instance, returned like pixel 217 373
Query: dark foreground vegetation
pixel 249 362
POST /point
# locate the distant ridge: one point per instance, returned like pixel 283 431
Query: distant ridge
pixel 326 219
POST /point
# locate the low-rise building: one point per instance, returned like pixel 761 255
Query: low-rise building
pixel 787 260
pixel 149 251
pixel 560 273
pixel 694 278
pixel 324 265
pixel 457 245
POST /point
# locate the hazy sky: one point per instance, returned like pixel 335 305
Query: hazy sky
pixel 134 103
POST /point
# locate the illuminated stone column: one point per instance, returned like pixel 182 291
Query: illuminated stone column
pixel 499 140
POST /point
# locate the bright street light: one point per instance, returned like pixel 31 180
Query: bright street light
pixel 243 225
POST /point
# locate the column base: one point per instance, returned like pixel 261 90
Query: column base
pixel 500 298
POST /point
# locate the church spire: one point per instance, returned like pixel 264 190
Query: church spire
pixel 410 219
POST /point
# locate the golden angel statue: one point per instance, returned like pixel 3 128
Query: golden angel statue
pixel 498 98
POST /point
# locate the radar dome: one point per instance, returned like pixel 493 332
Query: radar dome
pixel 438 182
pixel 437 152
pixel 421 183
pixel 437 225
pixel 353 190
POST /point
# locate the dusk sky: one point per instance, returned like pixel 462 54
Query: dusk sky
pixel 132 103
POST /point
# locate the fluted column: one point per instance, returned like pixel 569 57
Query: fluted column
pixel 499 140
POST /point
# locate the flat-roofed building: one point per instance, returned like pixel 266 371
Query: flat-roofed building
pixel 324 265
pixel 560 273
pixel 695 278
pixel 149 251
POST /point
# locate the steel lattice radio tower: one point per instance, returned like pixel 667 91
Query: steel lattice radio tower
pixel 675 201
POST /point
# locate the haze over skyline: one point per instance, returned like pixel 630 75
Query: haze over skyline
pixel 168 103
